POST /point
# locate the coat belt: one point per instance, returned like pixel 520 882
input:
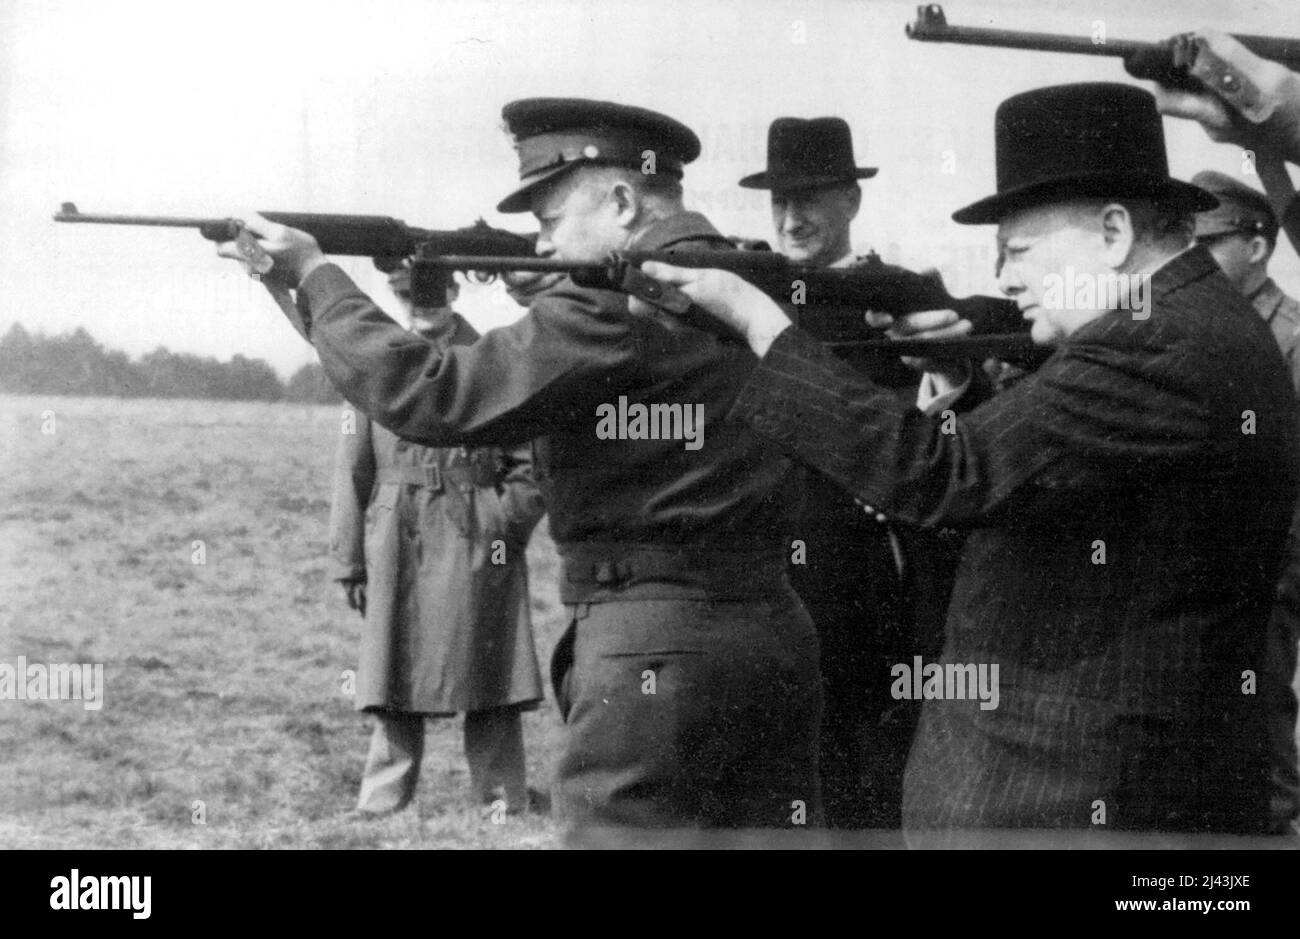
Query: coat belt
pixel 604 572
pixel 427 476
pixel 464 476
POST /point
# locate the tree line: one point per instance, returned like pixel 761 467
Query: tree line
pixel 76 364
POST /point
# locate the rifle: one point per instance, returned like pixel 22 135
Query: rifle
pixel 387 241
pixel 827 302
pixel 1168 62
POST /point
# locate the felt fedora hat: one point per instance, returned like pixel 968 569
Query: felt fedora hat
pixel 805 154
pixel 1094 139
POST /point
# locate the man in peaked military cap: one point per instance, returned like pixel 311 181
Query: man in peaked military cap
pixel 688 676
pixel 849 575
pixel 554 136
pixel 1126 534
pixel 1241 233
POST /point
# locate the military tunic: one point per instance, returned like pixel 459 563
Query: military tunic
pixel 1282 314
pixel 689 673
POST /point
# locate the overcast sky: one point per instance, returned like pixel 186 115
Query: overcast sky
pixel 393 107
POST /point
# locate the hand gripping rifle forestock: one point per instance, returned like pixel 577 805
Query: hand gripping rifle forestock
pixel 1168 62
pixel 827 302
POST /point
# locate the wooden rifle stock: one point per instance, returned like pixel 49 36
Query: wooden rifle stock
pixel 1163 62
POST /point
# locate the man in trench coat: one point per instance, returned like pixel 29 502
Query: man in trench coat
pixel 430 545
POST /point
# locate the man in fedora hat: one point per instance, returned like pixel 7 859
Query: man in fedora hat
pixel 850 571
pixel 687 677
pixel 1241 233
pixel 1128 502
pixel 813 179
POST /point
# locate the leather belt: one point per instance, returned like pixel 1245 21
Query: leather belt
pixel 602 572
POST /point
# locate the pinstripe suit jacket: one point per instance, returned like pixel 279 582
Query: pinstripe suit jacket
pixel 1173 441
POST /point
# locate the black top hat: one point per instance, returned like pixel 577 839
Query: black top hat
pixel 805 154
pixel 552 135
pixel 1094 139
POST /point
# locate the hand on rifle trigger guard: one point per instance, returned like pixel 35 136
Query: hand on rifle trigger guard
pixel 929 324
pixel 726 297
pixel 294 254
pixel 524 286
pixel 356 594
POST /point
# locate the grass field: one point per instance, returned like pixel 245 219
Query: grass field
pixel 222 679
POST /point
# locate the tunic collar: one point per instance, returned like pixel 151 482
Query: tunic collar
pixel 662 234
pixel 1267 300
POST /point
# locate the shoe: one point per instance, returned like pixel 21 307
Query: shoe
pixel 539 803
pixel 370 815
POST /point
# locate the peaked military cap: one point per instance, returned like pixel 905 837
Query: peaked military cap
pixel 1242 208
pixel 552 135
pixel 1078 141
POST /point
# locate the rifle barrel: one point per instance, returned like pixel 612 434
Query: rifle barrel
pixel 930 26
pixel 159 221
pixel 500 265
pixel 998 345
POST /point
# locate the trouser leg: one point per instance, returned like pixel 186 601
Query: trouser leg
pixel 846 717
pixel 690 714
pixel 393 764
pixel 494 748
pixel 1277 686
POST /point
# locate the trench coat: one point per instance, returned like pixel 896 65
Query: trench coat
pixel 439 535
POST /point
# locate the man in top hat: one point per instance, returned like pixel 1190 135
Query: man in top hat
pixel 849 574
pixel 1241 233
pixel 1128 502
pixel 688 674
